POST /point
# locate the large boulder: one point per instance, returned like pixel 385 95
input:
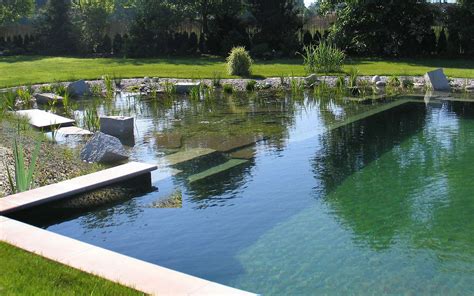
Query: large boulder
pixel 437 81
pixel 79 88
pixel 103 148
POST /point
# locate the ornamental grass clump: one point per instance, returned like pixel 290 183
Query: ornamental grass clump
pixel 323 58
pixel 22 179
pixel 239 62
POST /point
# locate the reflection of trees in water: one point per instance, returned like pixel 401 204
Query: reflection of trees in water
pixel 350 148
pixel 417 188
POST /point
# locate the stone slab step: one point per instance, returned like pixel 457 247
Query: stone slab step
pixel 216 170
pixel 73 187
pixel 184 156
pixel 222 143
pixel 42 119
pixel 73 131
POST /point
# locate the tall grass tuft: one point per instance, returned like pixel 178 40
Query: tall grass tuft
pixel 91 120
pixel 7 101
pixel 109 83
pixel 216 79
pixel 169 89
pixel 297 85
pixel 22 180
pixel 323 58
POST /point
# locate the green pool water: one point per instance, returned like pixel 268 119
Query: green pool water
pixel 329 198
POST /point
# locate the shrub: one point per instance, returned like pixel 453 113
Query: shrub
pixel 228 88
pixel 251 85
pixel 323 57
pixel 239 62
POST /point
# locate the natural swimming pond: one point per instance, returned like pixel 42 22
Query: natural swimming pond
pixel 313 196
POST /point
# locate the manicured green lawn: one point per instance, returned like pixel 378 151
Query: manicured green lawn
pixel 22 70
pixel 23 273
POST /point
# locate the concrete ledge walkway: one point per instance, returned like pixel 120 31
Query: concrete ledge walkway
pixel 74 186
pixel 140 275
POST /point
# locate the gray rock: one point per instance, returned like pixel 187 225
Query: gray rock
pixel 79 88
pixel 380 83
pixel 45 98
pixel 311 79
pixel 117 126
pixel 103 148
pixel 436 80
pixel 376 79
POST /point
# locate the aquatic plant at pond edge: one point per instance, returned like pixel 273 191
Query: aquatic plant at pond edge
pixel 91 120
pixel 216 79
pixel 296 85
pixel 228 88
pixel 96 90
pixel 22 179
pixel 239 62
pixel 169 88
pixel 394 81
pixel 7 101
pixel 109 83
pixel 251 85
pixel 323 58
pixel 195 93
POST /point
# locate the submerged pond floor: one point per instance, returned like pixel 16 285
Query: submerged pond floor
pixel 303 196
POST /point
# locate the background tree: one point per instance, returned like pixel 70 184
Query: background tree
pixel 278 23
pixel 12 10
pixel 153 25
pixel 54 29
pixel 91 17
pixel 380 27
pixel 459 18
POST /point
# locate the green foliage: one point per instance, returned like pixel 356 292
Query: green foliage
pixel 216 79
pixel 251 85
pixel 323 58
pixel 169 89
pixel 228 88
pixel 7 101
pixel 91 120
pixel 22 179
pixel 394 81
pixel 407 83
pixel 96 89
pixel 55 31
pixel 239 62
pixel 12 10
pixel 442 45
pixel 382 27
pixel 109 83
pixel 353 77
pixel 195 93
pixel 297 85
pixel 92 18
pixel 340 82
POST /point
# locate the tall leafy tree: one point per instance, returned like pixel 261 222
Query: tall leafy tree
pixel 55 30
pixel 12 10
pixel 380 27
pixel 153 25
pixel 91 17
pixel 278 23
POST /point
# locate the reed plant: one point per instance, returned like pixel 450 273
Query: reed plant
pixel 22 179
pixel 251 85
pixel 323 58
pixel 109 84
pixel 169 89
pixel 91 119
pixel 228 88
pixel 216 79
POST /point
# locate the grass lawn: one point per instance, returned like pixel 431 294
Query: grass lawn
pixel 20 70
pixel 23 273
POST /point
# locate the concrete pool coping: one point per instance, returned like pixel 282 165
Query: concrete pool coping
pixel 140 275
pixel 73 186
